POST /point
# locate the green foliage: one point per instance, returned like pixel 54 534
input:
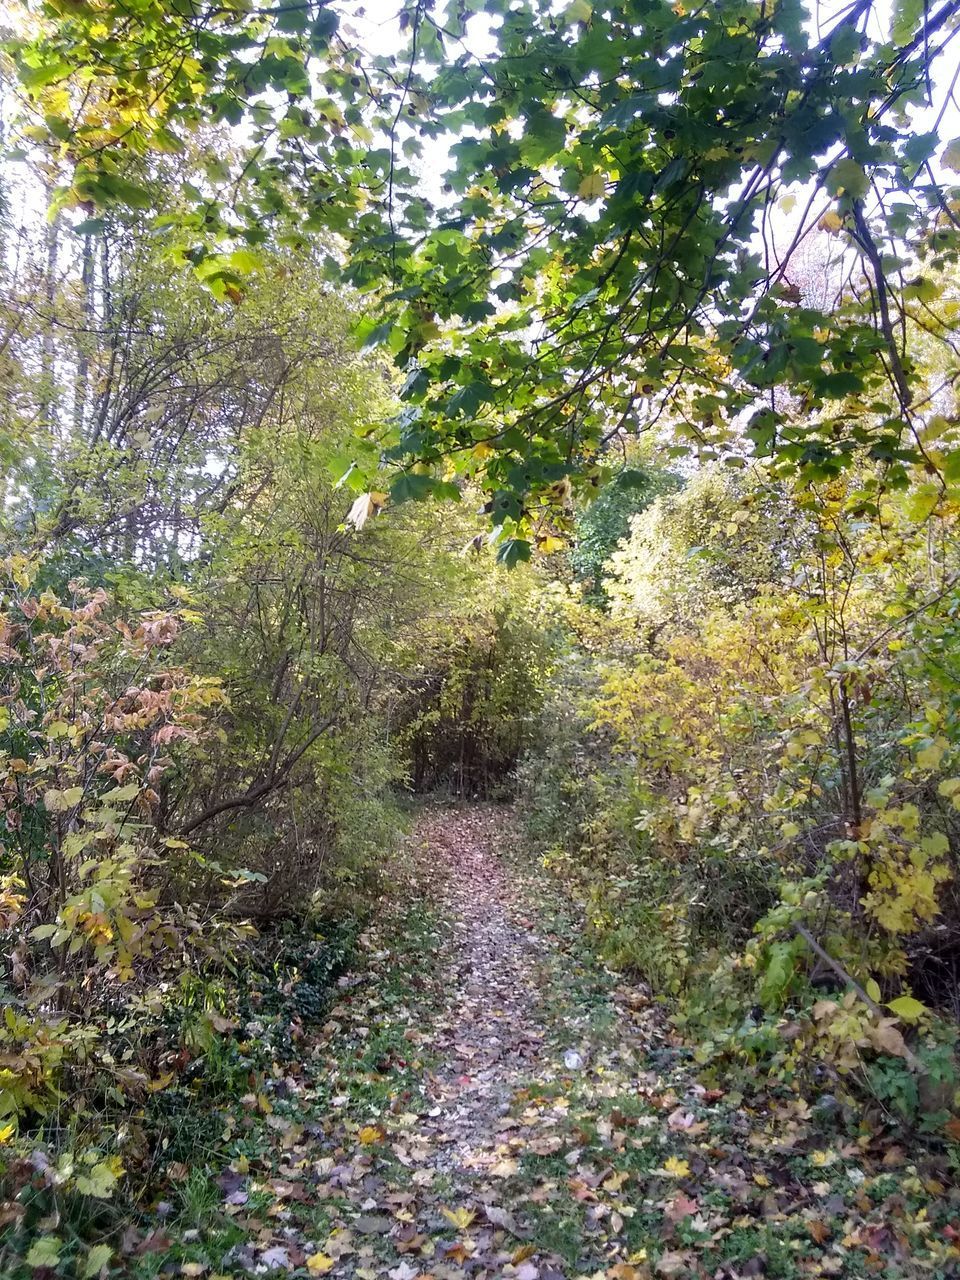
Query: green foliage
pixel 601 525
pixel 470 713
pixel 256 377
pixel 208 624
pixel 718 542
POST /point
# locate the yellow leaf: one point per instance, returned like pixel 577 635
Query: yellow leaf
pixel 907 1008
pixel 930 756
pixel 161 1082
pixel 369 1134
pixel 550 544
pixel 831 222
pixel 460 1218
pixel 318 1264
pixel 676 1168
pixel 820 1159
pixel 7 1132
pixel 592 187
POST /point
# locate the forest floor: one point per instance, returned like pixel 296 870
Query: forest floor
pixel 486 1100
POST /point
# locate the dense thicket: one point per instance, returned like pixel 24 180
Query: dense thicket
pixel 221 666
pixel 746 767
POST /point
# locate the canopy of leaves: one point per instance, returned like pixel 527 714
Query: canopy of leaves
pixel 601 253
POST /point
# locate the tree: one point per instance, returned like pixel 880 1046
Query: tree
pixel 603 252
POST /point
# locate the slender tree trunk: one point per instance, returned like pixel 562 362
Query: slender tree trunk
pixel 48 354
pixel 84 338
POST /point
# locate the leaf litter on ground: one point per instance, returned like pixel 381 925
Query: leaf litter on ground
pixel 486 1100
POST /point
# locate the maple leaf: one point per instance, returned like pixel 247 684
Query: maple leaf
pixel 403 1271
pixel 460 1218
pixel 681 1207
pixel 318 1264
pixel 676 1168
pixel 592 186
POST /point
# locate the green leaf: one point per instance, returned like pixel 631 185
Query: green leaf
pixel 543 136
pixel 951 156
pixel 99 1181
pixel 110 188
pixel 922 502
pixel 906 19
pixel 60 801
pixel 845 44
pixel 937 845
pixel 466 401
pixel 512 551
pixel 374 337
pixel 244 261
pixel 90 227
pixel 632 478
pixel 98 1258
pixel 411 487
pixel 579 11
pixel 847 178
pixel 44 1252
pixel 120 795
pixel 324 27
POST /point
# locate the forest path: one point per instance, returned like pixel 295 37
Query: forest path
pixel 485 1100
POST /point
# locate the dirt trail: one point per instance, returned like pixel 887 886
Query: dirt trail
pixel 492 1036
pixel 514 1021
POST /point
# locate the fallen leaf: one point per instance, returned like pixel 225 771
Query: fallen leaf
pixel 460 1218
